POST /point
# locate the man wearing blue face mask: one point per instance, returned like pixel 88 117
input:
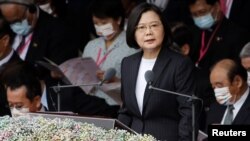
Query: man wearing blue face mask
pixel 38 34
pixel 215 38
pixel 229 81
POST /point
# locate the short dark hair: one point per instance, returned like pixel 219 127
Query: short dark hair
pixel 108 9
pixel 182 35
pixel 236 69
pixel 20 74
pixel 210 2
pixel 5 29
pixel 134 19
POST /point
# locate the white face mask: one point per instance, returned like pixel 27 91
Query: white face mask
pixel 18 112
pixel 248 78
pixel 104 30
pixel 222 95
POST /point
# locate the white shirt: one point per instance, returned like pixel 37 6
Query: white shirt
pixel 229 4
pixel 146 64
pixel 237 105
pixel 7 58
pixel 44 98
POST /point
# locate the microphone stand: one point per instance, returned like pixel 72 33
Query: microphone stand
pixel 192 98
pixel 57 89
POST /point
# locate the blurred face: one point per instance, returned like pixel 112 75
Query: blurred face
pixel 201 8
pixel 4 46
pixel 149 33
pixel 17 99
pixel 204 15
pixel 14 12
pixel 219 80
pixel 107 27
pixel 21 21
pixel 246 63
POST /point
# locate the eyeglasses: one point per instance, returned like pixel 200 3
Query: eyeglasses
pixel 152 26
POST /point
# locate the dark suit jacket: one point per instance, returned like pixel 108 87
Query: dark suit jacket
pixel 239 13
pixel 76 100
pixel 217 111
pixel 50 39
pixel 227 43
pixel 165 116
pixel 4 110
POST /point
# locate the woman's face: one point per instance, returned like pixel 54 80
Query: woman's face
pixel 106 27
pixel 149 33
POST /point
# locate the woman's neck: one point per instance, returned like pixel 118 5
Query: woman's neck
pixel 150 53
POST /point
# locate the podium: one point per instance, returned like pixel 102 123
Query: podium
pixel 106 123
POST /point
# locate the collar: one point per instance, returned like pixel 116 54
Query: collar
pixel 44 100
pixel 238 104
pixel 242 99
pixel 7 58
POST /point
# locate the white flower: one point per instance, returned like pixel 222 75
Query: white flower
pixel 41 129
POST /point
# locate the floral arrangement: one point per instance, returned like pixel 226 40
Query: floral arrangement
pixel 25 128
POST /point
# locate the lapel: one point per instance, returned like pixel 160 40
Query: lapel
pixel 38 42
pixel 160 64
pixel 133 77
pixel 244 112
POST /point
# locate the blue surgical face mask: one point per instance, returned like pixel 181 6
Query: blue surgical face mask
pixel 204 22
pixel 21 28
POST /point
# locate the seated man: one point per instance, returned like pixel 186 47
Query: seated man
pixel 7 55
pixel 245 60
pixel 27 92
pixel 229 81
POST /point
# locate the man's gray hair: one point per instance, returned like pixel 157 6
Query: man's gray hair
pixel 245 52
pixel 24 2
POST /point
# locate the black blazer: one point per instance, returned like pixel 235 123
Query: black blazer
pixel 227 43
pixel 239 13
pixel 76 100
pixel 217 111
pixel 50 39
pixel 165 116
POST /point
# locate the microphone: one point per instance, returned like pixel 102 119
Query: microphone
pixel 107 76
pixel 110 73
pixel 149 77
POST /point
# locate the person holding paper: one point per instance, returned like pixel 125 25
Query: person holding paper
pixel 28 92
pixel 110 48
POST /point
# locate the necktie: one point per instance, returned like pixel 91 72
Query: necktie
pixel 21 46
pixel 223 6
pixel 229 115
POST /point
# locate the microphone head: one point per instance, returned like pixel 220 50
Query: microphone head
pixel 109 74
pixel 149 76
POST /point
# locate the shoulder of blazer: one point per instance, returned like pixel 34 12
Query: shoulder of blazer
pixel 133 56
